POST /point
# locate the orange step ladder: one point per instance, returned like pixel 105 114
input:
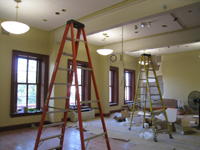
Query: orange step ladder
pixel 71 24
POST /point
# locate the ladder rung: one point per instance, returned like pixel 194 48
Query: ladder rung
pixel 83 102
pixel 153 86
pixel 69 38
pixel 141 94
pixel 52 148
pixel 65 69
pixel 84 68
pixel 51 137
pixel 67 54
pixel 62 84
pixel 142 79
pixel 53 124
pixel 160 131
pixel 58 97
pixel 141 86
pixel 94 136
pixel 151 77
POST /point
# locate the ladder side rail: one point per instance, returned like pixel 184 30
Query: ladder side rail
pixel 150 104
pixel 146 91
pixel 170 134
pixel 69 91
pixel 95 87
pixel 77 88
pixel 135 98
pixel 50 87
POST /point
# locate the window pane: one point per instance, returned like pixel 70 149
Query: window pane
pixel 110 94
pixel 32 68
pixel 128 81
pixel 79 72
pixel 21 70
pixel 32 96
pixel 80 93
pixel 110 78
pixel 72 95
pixel 21 96
pixel 127 93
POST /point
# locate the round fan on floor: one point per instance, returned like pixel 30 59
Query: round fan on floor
pixel 194 103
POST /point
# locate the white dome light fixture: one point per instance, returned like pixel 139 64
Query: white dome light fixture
pixel 15 27
pixel 104 51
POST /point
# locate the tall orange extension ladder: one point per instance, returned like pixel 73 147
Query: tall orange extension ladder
pixel 71 24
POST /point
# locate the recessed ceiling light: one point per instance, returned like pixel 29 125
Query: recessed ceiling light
pixel 164 26
pixel 57 13
pixel 136 31
pixel 64 10
pixel 45 20
pixel 189 11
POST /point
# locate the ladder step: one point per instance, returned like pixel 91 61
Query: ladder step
pixel 161 131
pixel 65 69
pixel 84 68
pixel 142 79
pixel 141 94
pixel 153 86
pixel 52 148
pixel 69 38
pixel 51 137
pixel 141 86
pixel 151 77
pixel 94 136
pixel 83 102
pixel 67 54
pixel 58 97
pixel 53 124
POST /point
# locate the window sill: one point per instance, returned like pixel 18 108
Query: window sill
pixel 25 114
pixel 113 104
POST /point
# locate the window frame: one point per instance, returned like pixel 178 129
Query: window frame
pixel 42 80
pixel 85 81
pixel 132 85
pixel 115 86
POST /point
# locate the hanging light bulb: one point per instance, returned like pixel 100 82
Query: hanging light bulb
pixel 15 27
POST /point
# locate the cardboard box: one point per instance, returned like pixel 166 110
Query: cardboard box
pixel 183 129
pixel 163 124
pixel 124 115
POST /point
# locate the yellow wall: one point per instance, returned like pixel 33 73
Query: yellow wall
pixel 35 41
pixel 181 74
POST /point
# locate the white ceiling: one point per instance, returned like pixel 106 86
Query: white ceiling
pixel 32 12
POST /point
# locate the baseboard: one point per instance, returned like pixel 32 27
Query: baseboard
pixel 21 126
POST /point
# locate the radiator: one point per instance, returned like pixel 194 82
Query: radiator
pixel 86 114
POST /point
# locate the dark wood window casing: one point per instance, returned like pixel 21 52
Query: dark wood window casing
pixel 113 86
pixel 85 82
pixel 129 85
pixel 42 74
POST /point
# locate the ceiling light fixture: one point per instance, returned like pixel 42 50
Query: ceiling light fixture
pixel 104 51
pixel 149 24
pixel 143 24
pixel 136 27
pixel 15 27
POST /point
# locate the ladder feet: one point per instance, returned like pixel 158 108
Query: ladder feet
pixel 170 136
pixel 155 139
pixel 129 128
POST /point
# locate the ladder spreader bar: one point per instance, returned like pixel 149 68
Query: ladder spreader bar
pixel 51 137
pixel 94 136
pixel 67 54
pixel 53 124
pixel 65 69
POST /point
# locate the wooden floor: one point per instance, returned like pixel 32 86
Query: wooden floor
pixel 24 139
